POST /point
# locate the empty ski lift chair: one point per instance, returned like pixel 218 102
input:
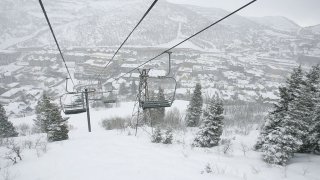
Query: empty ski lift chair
pixel 110 99
pixel 149 104
pixel 76 106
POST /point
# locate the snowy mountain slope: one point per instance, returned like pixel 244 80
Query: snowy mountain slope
pixel 106 23
pixel 114 154
pixel 277 22
pixel 315 29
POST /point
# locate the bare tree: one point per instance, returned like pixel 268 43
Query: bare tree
pixel 14 153
pixel 244 148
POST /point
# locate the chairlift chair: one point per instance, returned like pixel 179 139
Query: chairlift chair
pixel 149 104
pixel 76 106
pixel 111 98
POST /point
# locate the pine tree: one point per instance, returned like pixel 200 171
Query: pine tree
pixel 123 90
pixel 168 137
pixel 195 107
pixel 294 83
pixel 212 125
pixel 57 129
pixel 312 139
pixel 273 121
pixel 49 120
pixel 159 113
pixel 41 121
pixel 288 94
pixel 294 125
pixel 156 136
pixel 279 145
pixel 134 88
pixel 6 127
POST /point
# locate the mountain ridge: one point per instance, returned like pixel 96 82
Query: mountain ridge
pixel 87 25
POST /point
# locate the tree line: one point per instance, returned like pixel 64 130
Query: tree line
pixel 293 126
pixel 48 120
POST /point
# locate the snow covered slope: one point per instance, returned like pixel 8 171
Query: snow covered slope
pixel 278 23
pixel 315 29
pixel 116 155
pixel 106 23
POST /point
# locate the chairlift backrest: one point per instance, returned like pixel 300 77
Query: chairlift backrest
pixel 75 106
pixel 148 104
pixel 110 98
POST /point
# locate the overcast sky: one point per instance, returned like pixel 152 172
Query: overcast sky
pixel 303 12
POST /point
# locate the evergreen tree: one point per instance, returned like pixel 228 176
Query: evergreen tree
pixel 294 125
pixel 123 90
pixel 311 140
pixel 156 136
pixel 168 137
pixel 302 108
pixel 149 115
pixel 57 129
pixel 287 96
pixel 314 137
pixel 41 121
pixel 279 145
pixel 294 83
pixel 159 112
pixel 6 127
pixel 273 121
pixel 49 120
pixel 195 107
pixel 212 125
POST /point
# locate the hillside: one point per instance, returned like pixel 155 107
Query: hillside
pixel 278 23
pixel 118 154
pixel 106 23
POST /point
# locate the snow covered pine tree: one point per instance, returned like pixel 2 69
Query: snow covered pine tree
pixel 291 126
pixel 278 140
pixel 280 143
pixel 50 121
pixel 57 129
pixel 212 125
pixel 310 104
pixel 159 113
pixel 41 121
pixel 168 137
pixel 134 88
pixel 156 136
pixel 287 95
pixel 6 127
pixel 195 107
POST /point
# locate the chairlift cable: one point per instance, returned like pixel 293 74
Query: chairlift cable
pixel 145 14
pixel 55 39
pixel 216 22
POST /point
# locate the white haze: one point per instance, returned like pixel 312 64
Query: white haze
pixel 303 12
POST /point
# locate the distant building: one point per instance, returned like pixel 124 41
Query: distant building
pixel 12 94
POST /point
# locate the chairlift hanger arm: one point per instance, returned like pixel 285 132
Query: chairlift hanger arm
pixel 169 70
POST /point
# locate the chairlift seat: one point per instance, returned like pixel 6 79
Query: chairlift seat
pixel 74 108
pixel 109 101
pixel 155 104
pixel 74 111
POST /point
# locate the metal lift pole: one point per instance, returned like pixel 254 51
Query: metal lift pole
pixel 88 112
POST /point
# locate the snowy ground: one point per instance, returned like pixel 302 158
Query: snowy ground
pixel 114 154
